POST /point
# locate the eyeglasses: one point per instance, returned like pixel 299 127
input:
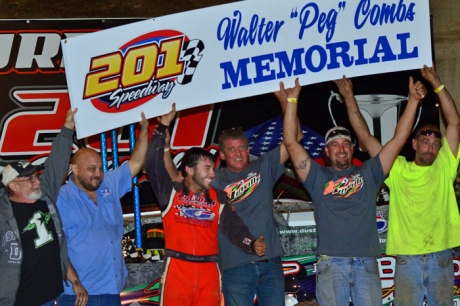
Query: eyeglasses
pixel 32 179
pixel 428 132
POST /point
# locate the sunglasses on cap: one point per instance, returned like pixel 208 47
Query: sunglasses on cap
pixel 338 133
pixel 428 132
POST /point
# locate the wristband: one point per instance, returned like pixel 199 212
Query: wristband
pixel 439 88
pixel 167 149
pixel 292 100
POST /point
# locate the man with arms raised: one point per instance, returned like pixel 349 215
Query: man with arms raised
pixel 344 201
pixel 424 222
pixel 93 221
pixel 193 212
pixel 249 186
pixel 33 256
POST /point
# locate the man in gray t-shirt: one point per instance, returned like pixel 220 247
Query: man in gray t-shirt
pixel 344 201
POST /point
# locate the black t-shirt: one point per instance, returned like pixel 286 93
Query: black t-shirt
pixel 41 278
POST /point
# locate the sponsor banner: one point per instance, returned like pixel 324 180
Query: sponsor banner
pixel 237 50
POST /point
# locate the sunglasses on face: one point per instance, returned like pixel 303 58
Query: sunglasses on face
pixel 428 132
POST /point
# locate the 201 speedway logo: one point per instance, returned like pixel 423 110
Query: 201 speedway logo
pixel 142 69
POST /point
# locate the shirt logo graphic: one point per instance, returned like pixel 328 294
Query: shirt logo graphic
pixel 39 221
pixel 106 192
pixel 344 187
pixel 195 213
pixel 241 189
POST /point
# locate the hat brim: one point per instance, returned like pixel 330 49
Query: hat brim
pixel 31 170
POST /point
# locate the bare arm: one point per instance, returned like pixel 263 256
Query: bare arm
pixel 392 148
pixel 77 287
pixel 369 142
pixel 299 156
pixel 448 108
pixel 136 162
pixel 282 95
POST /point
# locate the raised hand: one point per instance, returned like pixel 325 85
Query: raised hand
pixel 166 119
pixel 345 86
pixel 69 119
pixel 284 93
pixel 416 90
pixel 144 123
pixel 430 74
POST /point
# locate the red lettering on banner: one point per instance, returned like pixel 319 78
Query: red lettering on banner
pixel 32 131
pixel 36 125
pixel 192 127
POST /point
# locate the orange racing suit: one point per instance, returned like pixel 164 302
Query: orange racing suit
pixel 191 223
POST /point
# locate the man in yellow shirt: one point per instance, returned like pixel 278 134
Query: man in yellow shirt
pixel 424 221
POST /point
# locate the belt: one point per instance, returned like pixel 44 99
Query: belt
pixel 190 257
pixel 262 260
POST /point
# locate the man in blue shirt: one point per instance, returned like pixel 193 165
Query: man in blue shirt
pixel 93 221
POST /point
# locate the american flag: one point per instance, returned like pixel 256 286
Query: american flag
pixel 268 135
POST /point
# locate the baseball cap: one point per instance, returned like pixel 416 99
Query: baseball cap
pixel 18 169
pixel 337 132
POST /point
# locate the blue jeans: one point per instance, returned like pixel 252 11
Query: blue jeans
pixel 430 275
pixel 339 279
pixel 262 279
pixel 93 300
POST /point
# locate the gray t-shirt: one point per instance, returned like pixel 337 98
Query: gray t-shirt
pixel 345 208
pixel 252 193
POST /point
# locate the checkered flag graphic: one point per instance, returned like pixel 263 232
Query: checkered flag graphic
pixel 191 55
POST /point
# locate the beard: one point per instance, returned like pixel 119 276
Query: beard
pixel 87 184
pixel 200 181
pixel 343 163
pixel 34 195
pixel 427 158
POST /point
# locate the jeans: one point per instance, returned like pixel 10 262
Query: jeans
pixel 93 300
pixel 262 279
pixel 430 275
pixel 339 279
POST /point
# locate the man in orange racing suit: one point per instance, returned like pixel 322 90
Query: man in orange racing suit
pixel 190 212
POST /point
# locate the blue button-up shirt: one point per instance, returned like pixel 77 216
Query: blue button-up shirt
pixel 94 232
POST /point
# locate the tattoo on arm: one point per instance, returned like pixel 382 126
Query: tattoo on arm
pixel 360 116
pixel 303 164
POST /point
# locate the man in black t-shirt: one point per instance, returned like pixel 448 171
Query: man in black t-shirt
pixel 33 254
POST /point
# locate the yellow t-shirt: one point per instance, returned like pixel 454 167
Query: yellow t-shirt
pixel 424 216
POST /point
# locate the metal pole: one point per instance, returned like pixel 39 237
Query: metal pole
pixel 114 149
pixel 137 206
pixel 103 139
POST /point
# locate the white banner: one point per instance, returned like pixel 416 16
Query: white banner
pixel 237 50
